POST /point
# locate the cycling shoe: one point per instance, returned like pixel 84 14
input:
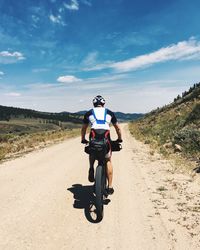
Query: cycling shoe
pixel 110 191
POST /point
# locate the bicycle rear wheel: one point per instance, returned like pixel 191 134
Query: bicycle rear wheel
pixel 99 191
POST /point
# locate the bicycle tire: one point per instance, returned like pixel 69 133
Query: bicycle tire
pixel 99 186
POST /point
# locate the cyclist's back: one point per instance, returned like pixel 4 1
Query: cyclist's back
pixel 100 118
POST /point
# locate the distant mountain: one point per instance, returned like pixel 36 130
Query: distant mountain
pixel 120 115
pixel 7 113
pixel 81 112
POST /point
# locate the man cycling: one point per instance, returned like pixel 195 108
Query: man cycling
pixel 100 118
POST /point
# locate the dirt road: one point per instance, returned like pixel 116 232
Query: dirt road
pixel 45 198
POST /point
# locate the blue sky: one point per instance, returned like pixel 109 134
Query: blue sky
pixel 56 55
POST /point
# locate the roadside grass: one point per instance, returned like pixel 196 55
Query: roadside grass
pixel 22 136
pixel 173 131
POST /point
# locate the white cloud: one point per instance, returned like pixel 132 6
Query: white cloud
pixel 35 18
pixel 74 5
pixel 90 59
pixel 11 57
pixel 86 2
pixel 110 78
pixel 13 94
pixel 40 70
pixel 142 99
pixel 60 10
pixel 130 39
pixel 134 95
pixel 1 73
pixel 101 66
pixel 16 54
pixel 41 86
pixel 57 19
pixel 183 50
pixel 68 79
pixel 92 62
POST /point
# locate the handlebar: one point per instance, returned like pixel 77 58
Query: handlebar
pixel 84 141
pixel 119 140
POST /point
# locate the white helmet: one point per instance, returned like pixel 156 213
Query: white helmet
pixel 98 100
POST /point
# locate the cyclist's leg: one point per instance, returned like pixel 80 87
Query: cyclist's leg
pixel 109 169
pixel 91 160
pixel 91 169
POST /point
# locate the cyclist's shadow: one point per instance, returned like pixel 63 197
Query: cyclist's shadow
pixel 84 199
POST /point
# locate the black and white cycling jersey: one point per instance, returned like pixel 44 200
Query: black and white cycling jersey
pixel 99 118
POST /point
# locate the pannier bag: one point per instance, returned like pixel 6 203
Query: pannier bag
pixel 115 146
pixel 87 149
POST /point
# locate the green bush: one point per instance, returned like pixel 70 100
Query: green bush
pixel 189 139
pixel 194 116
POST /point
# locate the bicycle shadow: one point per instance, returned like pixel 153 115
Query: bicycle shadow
pixel 84 199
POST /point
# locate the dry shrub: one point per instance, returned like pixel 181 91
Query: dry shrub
pixel 28 142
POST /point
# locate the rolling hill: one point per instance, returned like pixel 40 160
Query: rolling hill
pixel 8 113
pixel 120 115
pixel 174 128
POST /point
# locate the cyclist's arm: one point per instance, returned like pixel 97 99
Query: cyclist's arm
pixel 118 131
pixel 116 125
pixel 83 131
pixel 85 125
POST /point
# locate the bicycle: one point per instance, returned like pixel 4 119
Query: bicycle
pixel 98 147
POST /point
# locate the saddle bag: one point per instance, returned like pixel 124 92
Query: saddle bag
pixel 97 147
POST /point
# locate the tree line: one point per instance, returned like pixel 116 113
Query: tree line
pixel 196 86
pixel 7 113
